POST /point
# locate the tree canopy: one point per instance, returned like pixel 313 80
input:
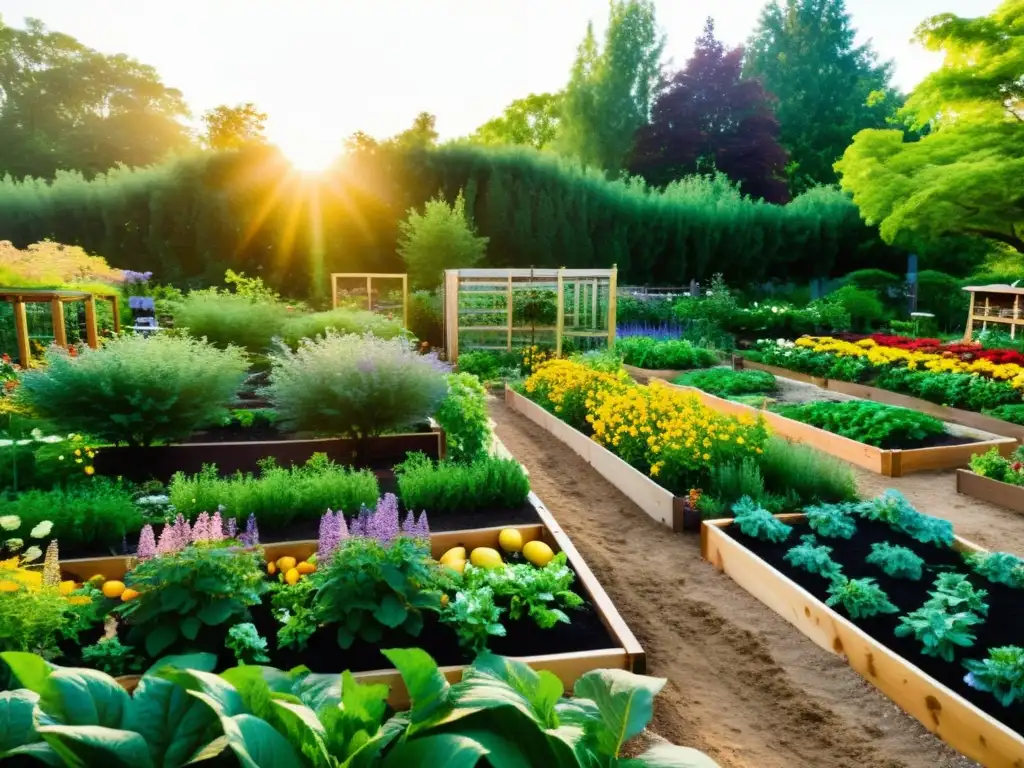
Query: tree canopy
pixel 964 176
pixel 234 127
pixel 532 121
pixel 708 118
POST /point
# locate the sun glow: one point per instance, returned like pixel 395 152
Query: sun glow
pixel 308 153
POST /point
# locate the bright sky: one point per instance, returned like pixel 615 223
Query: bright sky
pixel 323 69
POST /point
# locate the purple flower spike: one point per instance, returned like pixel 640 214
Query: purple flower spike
pixel 201 528
pixel 251 537
pixel 329 538
pixel 342 527
pixel 409 524
pixel 422 527
pixel 168 543
pixel 232 529
pixel 147 543
pixel 216 527
pixel 183 532
pixel 383 526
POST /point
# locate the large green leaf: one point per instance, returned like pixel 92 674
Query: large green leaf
pixel 428 688
pixel 257 745
pixel 317 691
pixel 216 692
pixel 87 746
pixel 39 751
pixel 358 721
pixel 30 669
pixel 160 639
pixel 303 730
pixel 519 685
pixel 217 611
pixel 625 703
pixel 367 703
pixel 16 724
pixel 203 662
pixel 444 749
pixel 176 724
pixel 670 756
pixel 85 697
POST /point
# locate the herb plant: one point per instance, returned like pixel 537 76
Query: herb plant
pixel 245 642
pixel 111 657
pixel 884 426
pixel 811 475
pixel 998 567
pixel 756 521
pixel 475 618
pixel 813 559
pixel 463 416
pixel 725 382
pixel 486 483
pixel 1001 674
pixel 833 521
pixel 898 562
pixel 861 598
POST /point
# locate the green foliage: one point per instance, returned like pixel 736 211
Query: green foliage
pixel 37 620
pixel 278 496
pixel 876 280
pixel 233 127
pixel 354 385
pixel 998 567
pixel 994 465
pixel 603 360
pixel 533 122
pixel 943 296
pixel 134 389
pixel 1001 674
pixel 487 365
pixel 756 521
pixel 463 416
pixel 474 617
pixel 225 319
pixel 245 642
pixel 368 587
pixel 860 598
pixel 939 632
pixel 864 307
pixel 957 390
pixel 487 483
pixel 726 382
pixel 954 592
pixel 342 320
pixel 884 426
pixel 442 237
pixel 813 559
pixel 191 598
pixel 898 562
pixel 1011 413
pixel 111 657
pixel 426 321
pixel 735 480
pixel 809 474
pixel 833 521
pixel 645 352
pixel 893 509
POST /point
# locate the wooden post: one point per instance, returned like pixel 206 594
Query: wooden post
pixel 21 333
pixel 116 305
pixel 1016 311
pixel 334 291
pixel 60 334
pixel 91 332
pixel 613 298
pixel 578 304
pixel 970 320
pixel 560 322
pixel 369 293
pixel 594 290
pixel 451 314
pixel 405 300
pixel 508 310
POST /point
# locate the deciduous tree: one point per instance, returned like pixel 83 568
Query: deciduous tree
pixel 532 121
pixel 234 127
pixel 440 238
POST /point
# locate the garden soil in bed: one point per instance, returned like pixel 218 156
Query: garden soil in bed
pixel 1004 624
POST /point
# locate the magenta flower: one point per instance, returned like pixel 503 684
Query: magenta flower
pixel 147 543
pixel 183 533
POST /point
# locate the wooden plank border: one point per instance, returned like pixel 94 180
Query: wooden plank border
pixel 643 375
pixel 993 491
pixel 945 713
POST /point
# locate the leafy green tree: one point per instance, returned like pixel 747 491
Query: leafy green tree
pixel 440 238
pixel 232 127
pixel 827 87
pixel 532 121
pixel 64 106
pixel 611 88
pixel 423 133
pixel 964 176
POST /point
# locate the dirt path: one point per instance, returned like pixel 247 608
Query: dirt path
pixel 744 685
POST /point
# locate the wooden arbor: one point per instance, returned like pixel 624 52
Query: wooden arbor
pixel 19 297
pixel 480 307
pixel 369 278
pixel 998 304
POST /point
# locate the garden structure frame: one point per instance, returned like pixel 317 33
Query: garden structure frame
pixel 998 304
pixel 369 278
pixel 19 297
pixel 584 307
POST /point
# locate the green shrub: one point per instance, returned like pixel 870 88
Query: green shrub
pixel 809 474
pixel 1011 413
pixel 354 385
pixel 487 483
pixel 726 382
pixel 484 364
pixel 884 426
pixel 135 390
pixel 279 496
pixel 463 416
pixel 342 320
pixel 645 352
pixel 957 390
pixel 877 280
pixel 440 238
pixel 864 307
pixel 227 318
pixel 994 465
pixel 942 295
pixel 426 319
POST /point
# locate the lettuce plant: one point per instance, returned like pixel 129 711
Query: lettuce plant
pixel 756 521
pixel 955 593
pixel 1001 674
pixel 939 631
pixel 540 593
pixel 898 562
pixel 813 559
pixel 998 567
pixel 246 643
pixel 893 509
pixel 474 617
pixel 861 598
pixel 831 520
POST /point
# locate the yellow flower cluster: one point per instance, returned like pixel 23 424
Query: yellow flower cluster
pixel 880 356
pixel 533 356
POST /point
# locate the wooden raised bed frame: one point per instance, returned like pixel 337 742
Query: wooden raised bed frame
pixel 993 491
pixel 942 711
pixel 890 463
pixel 864 392
pixel 626 654
pixel 660 504
pixel 643 375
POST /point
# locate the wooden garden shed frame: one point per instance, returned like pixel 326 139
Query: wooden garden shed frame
pixel 999 304
pixel 369 277
pixel 586 285
pixel 19 297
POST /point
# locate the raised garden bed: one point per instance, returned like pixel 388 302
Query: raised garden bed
pixel 969 419
pixel 660 504
pixel 643 375
pixel 891 463
pixel 970 721
pixel 597 637
pixel 993 491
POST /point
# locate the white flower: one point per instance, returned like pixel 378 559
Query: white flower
pixel 41 530
pixel 775 310
pixel 30 554
pixel 10 522
pixel 50 439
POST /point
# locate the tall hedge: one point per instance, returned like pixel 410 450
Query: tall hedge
pixel 195 216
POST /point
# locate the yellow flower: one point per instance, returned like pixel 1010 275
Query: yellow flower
pixel 90 470
pixel 78 451
pixel 740 440
pixel 707 456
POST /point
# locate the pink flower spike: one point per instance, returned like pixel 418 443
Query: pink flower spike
pixel 168 542
pixel 201 528
pixel 216 527
pixel 147 544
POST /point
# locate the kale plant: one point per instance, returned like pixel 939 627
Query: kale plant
pixel 955 593
pixel 249 647
pixel 756 521
pixel 939 631
pixel 998 567
pixel 813 559
pixel 1001 674
pixel 832 520
pixel 861 598
pixel 898 562
pixel 893 509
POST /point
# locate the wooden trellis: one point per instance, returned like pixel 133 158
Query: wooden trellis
pixel 370 278
pixel 481 303
pixel 19 297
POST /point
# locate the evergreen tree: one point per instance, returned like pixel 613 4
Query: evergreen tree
pixel 440 238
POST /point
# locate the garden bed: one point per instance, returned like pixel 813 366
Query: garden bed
pixel 644 375
pixel 657 502
pixel 993 491
pixel 968 720
pixel 888 462
pixel 596 638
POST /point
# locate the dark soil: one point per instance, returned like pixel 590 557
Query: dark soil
pixel 236 433
pixel 1003 626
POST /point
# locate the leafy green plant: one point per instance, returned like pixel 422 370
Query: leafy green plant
pixel 487 483
pixel 646 352
pixel 1013 413
pixel 998 567
pixel 442 237
pixel 732 480
pixel 463 416
pixel 953 592
pixel 368 587
pixel 1001 674
pixel 488 365
pixel 754 520
pixel 725 382
pixel 226 319
pixel 939 632
pixel 293 609
pixel 877 424
pixel 813 559
pixel 898 562
pixel 603 360
pixel 833 521
pixel 189 599
pixel 354 385
pixel 475 617
pixel 342 320
pixel 111 657
pixel 860 598
pixel 36 620
pixel 892 508
pixel 245 641
pixel 809 474
pixel 864 307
